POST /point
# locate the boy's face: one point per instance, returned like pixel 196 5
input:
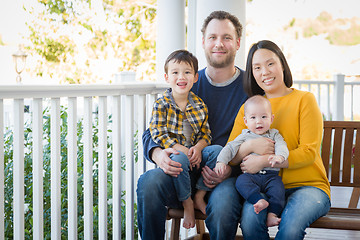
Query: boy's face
pixel 258 118
pixel 181 77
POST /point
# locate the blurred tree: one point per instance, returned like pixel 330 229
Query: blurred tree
pixel 87 41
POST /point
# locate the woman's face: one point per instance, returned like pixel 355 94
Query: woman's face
pixel 268 72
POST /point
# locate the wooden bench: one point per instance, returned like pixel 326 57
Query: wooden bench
pixel 341 156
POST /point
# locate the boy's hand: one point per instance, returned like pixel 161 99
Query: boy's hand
pixel 195 157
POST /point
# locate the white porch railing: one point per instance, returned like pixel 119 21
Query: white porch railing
pixel 130 107
pixel 336 98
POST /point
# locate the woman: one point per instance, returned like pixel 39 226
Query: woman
pixel 299 121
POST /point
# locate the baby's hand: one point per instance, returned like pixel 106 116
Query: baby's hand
pixel 220 168
pixel 274 159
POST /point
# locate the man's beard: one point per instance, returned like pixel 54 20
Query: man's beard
pixel 220 64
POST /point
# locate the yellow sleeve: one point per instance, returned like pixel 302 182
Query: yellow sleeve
pixel 310 133
pixel 238 126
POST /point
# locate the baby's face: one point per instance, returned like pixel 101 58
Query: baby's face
pixel 258 118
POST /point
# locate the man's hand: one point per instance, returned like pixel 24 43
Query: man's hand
pixel 162 159
pixel 211 179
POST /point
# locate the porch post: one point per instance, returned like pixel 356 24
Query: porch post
pixel 339 96
pixel 170 31
pixel 201 9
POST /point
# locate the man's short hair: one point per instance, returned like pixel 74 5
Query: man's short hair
pixel 222 15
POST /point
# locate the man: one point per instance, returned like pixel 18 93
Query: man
pixel 220 87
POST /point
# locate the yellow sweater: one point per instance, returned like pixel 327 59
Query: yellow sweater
pixel 299 121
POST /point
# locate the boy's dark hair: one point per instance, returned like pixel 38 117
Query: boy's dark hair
pixel 222 15
pixel 250 85
pixel 182 56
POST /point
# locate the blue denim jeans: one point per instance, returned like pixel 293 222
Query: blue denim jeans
pixel 223 211
pixel 303 206
pixel 183 181
pixel 155 192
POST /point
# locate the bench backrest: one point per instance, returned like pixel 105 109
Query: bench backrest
pixel 341 154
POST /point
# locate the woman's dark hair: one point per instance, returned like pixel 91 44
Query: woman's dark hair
pixel 250 85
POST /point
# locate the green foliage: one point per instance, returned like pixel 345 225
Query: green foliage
pixel 8 184
pixel 75 42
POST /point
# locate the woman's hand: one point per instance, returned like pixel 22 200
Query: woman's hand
pixel 263 146
pixel 253 163
pixel 211 179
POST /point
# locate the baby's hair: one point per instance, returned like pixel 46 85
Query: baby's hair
pixel 182 56
pixel 256 99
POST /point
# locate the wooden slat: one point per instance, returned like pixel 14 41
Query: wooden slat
pixel 356 157
pixel 326 147
pixel 349 138
pixel 336 157
pixel 354 199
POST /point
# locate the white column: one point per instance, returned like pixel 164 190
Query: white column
pixel 202 9
pixel 339 97
pixel 170 31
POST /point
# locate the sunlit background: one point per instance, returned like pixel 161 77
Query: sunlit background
pixel 73 43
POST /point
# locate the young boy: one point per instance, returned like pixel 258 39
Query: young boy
pixel 258 118
pixel 180 121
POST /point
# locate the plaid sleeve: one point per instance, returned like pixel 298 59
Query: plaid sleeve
pixel 158 125
pixel 205 132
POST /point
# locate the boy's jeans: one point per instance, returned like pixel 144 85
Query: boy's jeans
pixel 183 181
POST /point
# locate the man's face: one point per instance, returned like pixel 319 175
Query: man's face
pixel 220 43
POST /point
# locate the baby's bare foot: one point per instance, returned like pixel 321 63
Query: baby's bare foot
pixel 189 214
pixel 260 205
pixel 272 220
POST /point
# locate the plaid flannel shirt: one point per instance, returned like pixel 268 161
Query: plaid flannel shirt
pixel 166 124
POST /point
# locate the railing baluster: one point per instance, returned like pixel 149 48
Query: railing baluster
pixel 116 167
pixel 102 168
pixel 18 169
pixel 38 169
pixel 129 159
pixel 72 168
pixel 55 170
pixel 2 175
pixel 141 109
pixel 88 170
